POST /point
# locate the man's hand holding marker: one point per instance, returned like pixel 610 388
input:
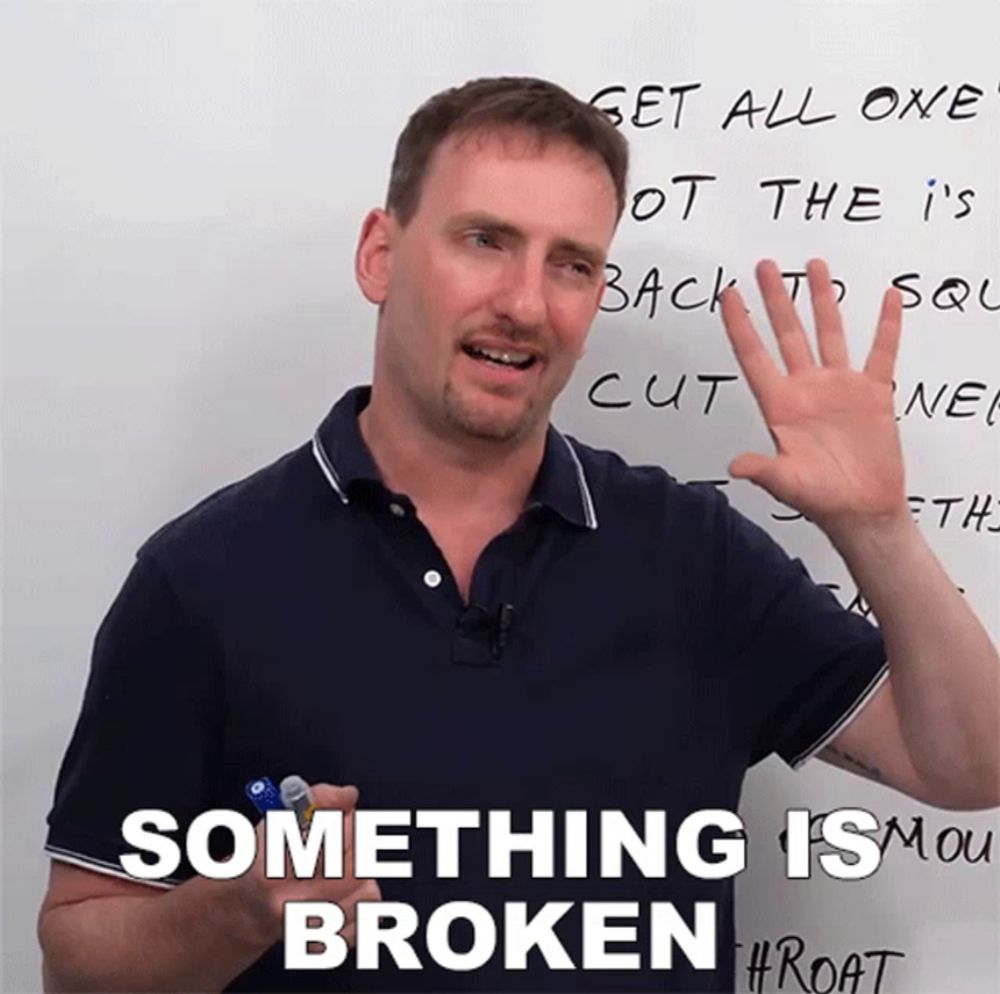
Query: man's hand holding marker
pixel 263 899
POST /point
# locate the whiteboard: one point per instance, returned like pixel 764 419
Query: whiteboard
pixel 182 193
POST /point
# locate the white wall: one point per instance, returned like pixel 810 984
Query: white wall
pixel 183 188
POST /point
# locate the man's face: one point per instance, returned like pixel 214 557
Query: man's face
pixel 491 288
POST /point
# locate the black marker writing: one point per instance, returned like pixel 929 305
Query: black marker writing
pixel 605 392
pixel 794 278
pixel 746 110
pixel 863 202
pixel 885 103
pixel 976 512
pixel 646 105
pixel 973 514
pixel 785 965
pixel 950 293
pixel 966 399
pixel 964 197
pixel 950 844
pixel 685 295
pixel 651 200
pixel 856 602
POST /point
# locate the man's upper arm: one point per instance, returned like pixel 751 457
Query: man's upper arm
pixel 150 731
pixel 872 746
pixel 803 663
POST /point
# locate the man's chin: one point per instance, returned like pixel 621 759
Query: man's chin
pixel 490 429
pixel 489 425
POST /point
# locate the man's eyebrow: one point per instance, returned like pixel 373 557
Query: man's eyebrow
pixel 592 253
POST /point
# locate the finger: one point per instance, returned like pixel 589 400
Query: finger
pixel 826 315
pixel 340 886
pixel 332 797
pixel 881 363
pixel 788 330
pixel 327 795
pixel 759 369
pixel 369 890
pixel 349 845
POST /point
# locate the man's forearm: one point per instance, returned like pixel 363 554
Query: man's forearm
pixel 945 670
pixel 191 938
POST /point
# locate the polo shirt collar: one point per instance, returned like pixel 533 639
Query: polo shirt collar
pixel 562 483
pixel 343 458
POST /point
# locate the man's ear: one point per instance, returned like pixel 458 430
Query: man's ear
pixel 373 257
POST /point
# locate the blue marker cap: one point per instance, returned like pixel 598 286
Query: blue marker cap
pixel 264 795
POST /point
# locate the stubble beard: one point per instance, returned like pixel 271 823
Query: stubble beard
pixel 482 424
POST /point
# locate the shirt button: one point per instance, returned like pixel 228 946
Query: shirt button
pixel 397 509
pixel 432 578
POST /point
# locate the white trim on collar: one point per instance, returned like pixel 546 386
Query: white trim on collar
pixel 589 514
pixel 326 467
pixel 586 499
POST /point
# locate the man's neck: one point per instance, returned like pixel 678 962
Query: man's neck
pixel 445 475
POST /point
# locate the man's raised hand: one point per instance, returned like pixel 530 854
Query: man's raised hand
pixel 839 459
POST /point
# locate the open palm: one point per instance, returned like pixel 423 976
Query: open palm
pixel 838 458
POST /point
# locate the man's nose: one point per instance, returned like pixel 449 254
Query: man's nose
pixel 522 295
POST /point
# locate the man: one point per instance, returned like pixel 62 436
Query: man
pixel 446 603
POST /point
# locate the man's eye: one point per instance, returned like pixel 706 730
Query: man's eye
pixel 482 238
pixel 581 269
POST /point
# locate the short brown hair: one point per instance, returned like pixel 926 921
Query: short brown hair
pixel 480 104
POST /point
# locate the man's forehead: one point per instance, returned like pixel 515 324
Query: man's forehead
pixel 461 149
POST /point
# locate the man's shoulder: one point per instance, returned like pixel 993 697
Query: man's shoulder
pixel 627 487
pixel 243 513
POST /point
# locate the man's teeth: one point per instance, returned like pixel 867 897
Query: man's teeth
pixel 505 357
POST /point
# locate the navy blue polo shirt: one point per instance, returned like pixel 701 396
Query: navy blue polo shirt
pixel 631 643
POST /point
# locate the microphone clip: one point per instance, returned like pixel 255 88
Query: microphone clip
pixel 503 623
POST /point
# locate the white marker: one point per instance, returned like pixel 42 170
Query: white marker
pixel 295 794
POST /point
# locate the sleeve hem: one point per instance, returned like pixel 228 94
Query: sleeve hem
pixel 87 862
pixel 844 720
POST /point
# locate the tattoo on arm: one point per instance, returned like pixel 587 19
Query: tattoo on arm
pixel 854 764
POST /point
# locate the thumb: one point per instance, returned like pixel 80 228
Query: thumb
pixel 757 468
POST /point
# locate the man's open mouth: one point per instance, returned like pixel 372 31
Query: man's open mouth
pixel 510 358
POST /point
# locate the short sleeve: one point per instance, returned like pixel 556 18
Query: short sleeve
pixel 805 664
pixel 149 734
